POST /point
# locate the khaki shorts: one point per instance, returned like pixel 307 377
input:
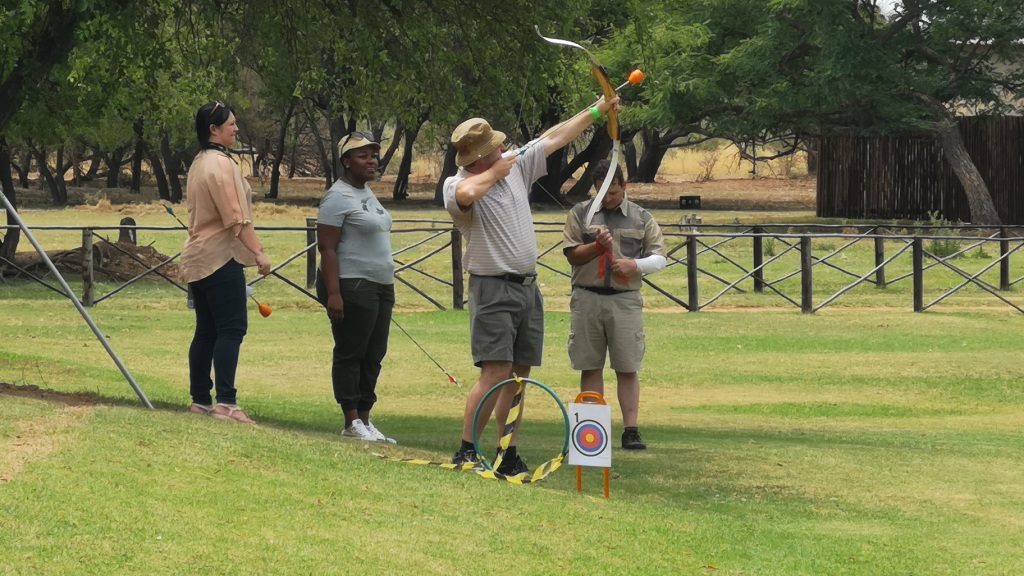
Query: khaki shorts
pixel 506 321
pixel 611 322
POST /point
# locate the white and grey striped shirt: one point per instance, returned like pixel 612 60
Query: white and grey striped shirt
pixel 498 228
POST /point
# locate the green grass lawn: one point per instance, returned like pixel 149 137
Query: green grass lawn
pixel 864 439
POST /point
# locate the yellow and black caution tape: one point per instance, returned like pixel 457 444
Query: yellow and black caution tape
pixel 489 471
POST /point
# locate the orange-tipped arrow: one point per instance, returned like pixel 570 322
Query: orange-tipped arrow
pixel 635 77
pixel 265 309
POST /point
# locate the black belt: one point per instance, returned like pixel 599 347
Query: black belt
pixel 525 280
pixel 604 291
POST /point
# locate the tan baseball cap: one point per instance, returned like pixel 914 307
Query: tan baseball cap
pixel 475 139
pixel 356 140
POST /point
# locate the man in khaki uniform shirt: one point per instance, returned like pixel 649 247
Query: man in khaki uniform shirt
pixel 609 259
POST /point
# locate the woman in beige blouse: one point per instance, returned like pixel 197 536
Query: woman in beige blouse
pixel 221 241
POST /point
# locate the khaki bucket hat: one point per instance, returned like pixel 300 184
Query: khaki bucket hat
pixel 475 139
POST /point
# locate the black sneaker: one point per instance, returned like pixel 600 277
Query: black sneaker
pixel 631 440
pixel 466 456
pixel 512 466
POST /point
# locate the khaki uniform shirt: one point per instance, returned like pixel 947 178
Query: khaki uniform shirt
pixel 635 235
pixel 219 203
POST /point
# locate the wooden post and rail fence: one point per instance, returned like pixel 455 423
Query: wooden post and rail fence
pixel 693 241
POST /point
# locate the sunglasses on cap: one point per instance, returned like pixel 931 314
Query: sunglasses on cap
pixel 358 135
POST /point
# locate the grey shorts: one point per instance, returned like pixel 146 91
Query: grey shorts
pixel 506 321
pixel 612 322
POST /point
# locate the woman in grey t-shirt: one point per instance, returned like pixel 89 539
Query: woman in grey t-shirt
pixel 356 283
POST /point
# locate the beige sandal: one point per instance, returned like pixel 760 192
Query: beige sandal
pixel 231 412
pixel 200 409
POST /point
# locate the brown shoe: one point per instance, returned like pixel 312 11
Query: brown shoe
pixel 231 412
pixel 200 409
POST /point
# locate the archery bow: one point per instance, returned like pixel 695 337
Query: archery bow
pixel 601 75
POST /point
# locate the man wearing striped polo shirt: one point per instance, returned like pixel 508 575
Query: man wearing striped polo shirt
pixel 488 200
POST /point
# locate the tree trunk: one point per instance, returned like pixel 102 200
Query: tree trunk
pixel 599 148
pixel 337 130
pixel 401 189
pixel 9 245
pixel 59 176
pixel 24 168
pixel 812 154
pixel 76 168
pixel 162 187
pixel 261 158
pixel 447 169
pixel 652 156
pixel 140 150
pixel 172 165
pixel 629 155
pixel 983 209
pixel 57 195
pixel 385 160
pixel 113 162
pixel 325 160
pixel 282 135
pixel 94 167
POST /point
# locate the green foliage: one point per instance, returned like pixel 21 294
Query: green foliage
pixel 942 247
pixel 745 67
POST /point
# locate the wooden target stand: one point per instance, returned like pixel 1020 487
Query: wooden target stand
pixel 590 419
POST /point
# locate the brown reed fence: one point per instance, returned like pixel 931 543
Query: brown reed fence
pixel 907 177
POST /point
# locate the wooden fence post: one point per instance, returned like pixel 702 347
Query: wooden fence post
pixel 128 235
pixel 879 261
pixel 758 260
pixel 458 288
pixel 918 275
pixel 88 275
pixel 310 253
pixel 693 299
pixel 1004 264
pixel 806 276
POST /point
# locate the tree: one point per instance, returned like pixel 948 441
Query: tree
pixel 813 67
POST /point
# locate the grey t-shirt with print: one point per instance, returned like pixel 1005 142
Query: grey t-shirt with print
pixel 364 248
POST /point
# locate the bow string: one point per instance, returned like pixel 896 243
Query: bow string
pixel 608 89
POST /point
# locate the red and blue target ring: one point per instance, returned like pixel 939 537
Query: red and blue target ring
pixel 590 438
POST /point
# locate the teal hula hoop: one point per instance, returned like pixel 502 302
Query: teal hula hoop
pixel 493 390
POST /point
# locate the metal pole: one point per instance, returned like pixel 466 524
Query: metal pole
pixel 78 304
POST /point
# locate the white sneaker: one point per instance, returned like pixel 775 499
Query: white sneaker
pixel 378 435
pixel 358 431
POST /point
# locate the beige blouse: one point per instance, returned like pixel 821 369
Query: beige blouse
pixel 219 204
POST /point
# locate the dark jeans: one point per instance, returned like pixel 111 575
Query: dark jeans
pixel 360 340
pixel 221 324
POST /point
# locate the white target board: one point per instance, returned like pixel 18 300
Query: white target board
pixel 590 440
